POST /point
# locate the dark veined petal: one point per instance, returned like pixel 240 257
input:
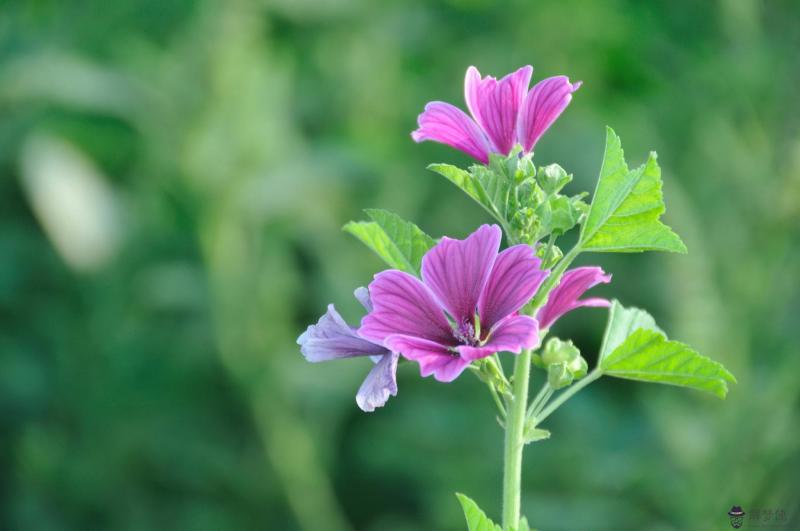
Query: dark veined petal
pixel 447 124
pixel 543 104
pixel 514 279
pixel 380 383
pixel 404 305
pixel 457 270
pixel 566 296
pixel 510 335
pixel 432 357
pixel 495 104
pixel 332 338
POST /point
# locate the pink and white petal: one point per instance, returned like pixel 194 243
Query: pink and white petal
pixel 566 296
pixel 447 124
pixel 514 279
pixel 543 104
pixel 510 335
pixel 457 270
pixel 380 383
pixel 498 106
pixel 403 305
pixel 432 357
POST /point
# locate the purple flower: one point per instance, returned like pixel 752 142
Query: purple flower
pixel 565 297
pixel 505 113
pixel 332 339
pixel 465 307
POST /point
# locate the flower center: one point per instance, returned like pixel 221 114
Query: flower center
pixel 466 334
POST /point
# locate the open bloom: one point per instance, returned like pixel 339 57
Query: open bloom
pixel 332 339
pixel 465 307
pixel 504 113
pixel 565 297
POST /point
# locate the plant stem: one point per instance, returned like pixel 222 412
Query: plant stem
pixel 514 443
pixel 543 396
pixel 518 403
pixel 566 395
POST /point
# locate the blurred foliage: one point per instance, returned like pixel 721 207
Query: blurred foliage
pixel 154 382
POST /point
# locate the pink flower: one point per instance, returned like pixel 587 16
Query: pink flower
pixel 505 113
pixel 565 297
pixel 465 308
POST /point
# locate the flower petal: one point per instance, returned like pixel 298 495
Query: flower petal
pixel 565 296
pixel 510 335
pixel 332 338
pixel 362 294
pixel 456 270
pixel 515 277
pixel 404 305
pixel 380 383
pixel 447 124
pixel 543 104
pixel 432 357
pixel 495 104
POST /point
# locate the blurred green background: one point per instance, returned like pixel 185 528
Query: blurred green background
pixel 173 179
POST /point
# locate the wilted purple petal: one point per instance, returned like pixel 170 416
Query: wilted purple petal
pixel 495 104
pixel 510 335
pixel 403 305
pixel 432 357
pixel 380 383
pixel 445 123
pixel 565 296
pixel 543 104
pixel 514 279
pixel 332 338
pixel 456 270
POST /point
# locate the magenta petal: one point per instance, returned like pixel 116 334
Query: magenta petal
pixel 456 270
pixel 515 277
pixel 380 383
pixel 495 104
pixel 510 335
pixel 332 338
pixel 432 357
pixel 565 296
pixel 543 104
pixel 403 305
pixel 447 124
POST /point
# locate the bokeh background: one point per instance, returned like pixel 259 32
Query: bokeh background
pixel 173 180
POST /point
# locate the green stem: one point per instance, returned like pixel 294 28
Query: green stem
pixel 514 443
pixel 517 405
pixel 566 395
pixel 545 391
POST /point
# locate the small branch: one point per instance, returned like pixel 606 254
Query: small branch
pixel 566 395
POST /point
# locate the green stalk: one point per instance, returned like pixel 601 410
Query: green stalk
pixel 566 395
pixel 518 403
pixel 514 443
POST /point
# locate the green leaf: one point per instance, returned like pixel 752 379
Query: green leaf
pixel 647 355
pixel 400 243
pixel 476 518
pixel 621 323
pixel 627 204
pixel 489 188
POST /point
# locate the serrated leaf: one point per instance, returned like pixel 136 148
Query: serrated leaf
pixel 489 188
pixel 476 518
pixel 400 243
pixel 621 323
pixel 645 354
pixel 627 204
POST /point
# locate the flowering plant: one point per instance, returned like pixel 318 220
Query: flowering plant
pixel 454 305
